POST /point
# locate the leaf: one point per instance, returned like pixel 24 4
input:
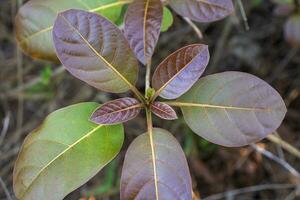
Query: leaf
pixel 180 70
pixel 167 20
pixel 173 177
pixel 203 10
pixel 142 27
pixel 163 111
pixel 95 51
pixel 35 20
pixel 292 30
pixel 117 111
pixel 232 108
pixel 64 153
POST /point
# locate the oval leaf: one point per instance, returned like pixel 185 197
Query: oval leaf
pixel 203 10
pixel 95 51
pixel 232 108
pixel 163 111
pixel 137 181
pixel 142 27
pixel 180 70
pixel 292 30
pixel 35 20
pixel 63 153
pixel 117 111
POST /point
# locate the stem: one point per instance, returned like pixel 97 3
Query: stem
pixel 244 16
pixel 148 74
pixel 150 132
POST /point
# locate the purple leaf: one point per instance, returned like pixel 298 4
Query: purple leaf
pixel 232 108
pixel 117 111
pixel 203 10
pixel 142 27
pixel 95 51
pixel 163 111
pixel 180 70
pixel 173 176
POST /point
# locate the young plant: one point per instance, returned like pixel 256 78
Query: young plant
pixel 230 109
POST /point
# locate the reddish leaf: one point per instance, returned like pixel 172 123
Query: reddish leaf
pixel 95 51
pixel 232 108
pixel 142 27
pixel 117 111
pixel 203 10
pixel 292 30
pixel 179 71
pixel 163 111
pixel 172 173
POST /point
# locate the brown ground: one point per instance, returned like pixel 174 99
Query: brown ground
pixel 260 51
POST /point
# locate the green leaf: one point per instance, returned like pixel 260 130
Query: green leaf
pixel 167 20
pixel 35 19
pixel 64 153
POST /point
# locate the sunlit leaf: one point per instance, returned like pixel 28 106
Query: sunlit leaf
pixel 232 108
pixel 173 177
pixel 167 20
pixel 180 70
pixel 63 153
pixel 203 10
pixel 117 111
pixel 292 30
pixel 142 27
pixel 95 51
pixel 163 111
pixel 35 20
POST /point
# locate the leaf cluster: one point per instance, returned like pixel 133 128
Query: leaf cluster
pixel 230 109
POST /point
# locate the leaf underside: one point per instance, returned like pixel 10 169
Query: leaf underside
pixel 117 111
pixel 174 181
pixel 63 153
pixel 163 111
pixel 203 10
pixel 232 108
pixel 95 51
pixel 179 71
pixel 142 27
pixel 35 19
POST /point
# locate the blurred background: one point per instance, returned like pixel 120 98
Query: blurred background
pixel 31 89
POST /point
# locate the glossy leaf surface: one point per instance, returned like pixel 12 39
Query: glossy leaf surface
pixel 95 51
pixel 117 111
pixel 232 108
pixel 142 27
pixel 180 70
pixel 163 111
pixel 35 20
pixel 292 30
pixel 167 20
pixel 63 153
pixel 174 181
pixel 203 10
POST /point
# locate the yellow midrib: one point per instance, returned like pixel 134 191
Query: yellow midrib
pixel 124 109
pixel 157 93
pixel 49 28
pixel 99 56
pixel 59 155
pixel 144 27
pixel 186 104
